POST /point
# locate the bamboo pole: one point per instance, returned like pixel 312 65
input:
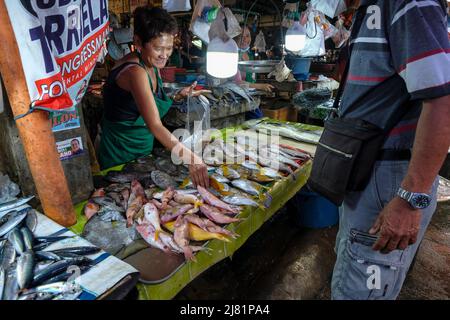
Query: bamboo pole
pixel 35 132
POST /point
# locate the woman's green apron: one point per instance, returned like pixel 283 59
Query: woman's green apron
pixel 124 141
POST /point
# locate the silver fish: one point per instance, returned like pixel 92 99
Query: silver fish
pixel 16 239
pixel 246 186
pixel 238 200
pixel 163 180
pixel 11 290
pixel 220 178
pixel 25 269
pixel 28 238
pixel 8 256
pixel 55 288
pixel 231 173
pixel 10 205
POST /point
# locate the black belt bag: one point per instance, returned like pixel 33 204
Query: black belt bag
pixel 345 157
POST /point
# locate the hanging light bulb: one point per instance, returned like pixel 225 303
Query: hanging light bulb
pixel 296 37
pixel 222 58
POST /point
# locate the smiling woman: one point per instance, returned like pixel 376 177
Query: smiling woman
pixel 135 101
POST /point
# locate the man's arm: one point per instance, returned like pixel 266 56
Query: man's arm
pixel 398 223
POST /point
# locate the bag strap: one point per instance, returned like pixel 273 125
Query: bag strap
pixel 360 14
pixel 359 18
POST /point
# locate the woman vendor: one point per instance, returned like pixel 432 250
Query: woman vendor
pixel 135 102
pixel 245 54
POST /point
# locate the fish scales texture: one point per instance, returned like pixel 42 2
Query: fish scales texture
pixel 9 206
pixel 181 237
pixel 148 234
pixel 25 269
pixel 174 213
pixel 28 238
pixel 216 216
pixel 214 201
pixel 16 239
pixel 14 219
pixel 163 180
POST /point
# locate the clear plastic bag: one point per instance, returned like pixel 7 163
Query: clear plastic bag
pixel 331 8
pixel 202 17
pixel 315 40
pixel 8 189
pixel 260 42
pixel 341 35
pixel 176 5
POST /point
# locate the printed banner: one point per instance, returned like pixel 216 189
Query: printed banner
pixel 62 121
pixel 70 148
pixel 60 42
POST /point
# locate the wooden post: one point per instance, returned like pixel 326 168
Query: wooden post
pixel 35 131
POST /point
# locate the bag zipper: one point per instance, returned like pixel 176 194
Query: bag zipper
pixel 347 155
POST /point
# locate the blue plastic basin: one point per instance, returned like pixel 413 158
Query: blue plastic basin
pixel 313 211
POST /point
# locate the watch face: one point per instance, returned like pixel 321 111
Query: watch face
pixel 421 201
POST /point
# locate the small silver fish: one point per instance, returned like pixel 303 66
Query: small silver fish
pixel 6 207
pixel 237 200
pixel 13 220
pixel 246 186
pixel 25 269
pixel 16 239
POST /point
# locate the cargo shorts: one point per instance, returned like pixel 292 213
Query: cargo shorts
pixel 361 273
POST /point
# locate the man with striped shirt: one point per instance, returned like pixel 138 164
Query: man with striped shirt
pixel 400 62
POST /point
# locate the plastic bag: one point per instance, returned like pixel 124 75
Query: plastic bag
pixel 260 42
pixel 315 40
pixel 331 8
pixel 328 29
pixel 202 16
pixel 341 35
pixel 8 189
pixel 289 9
pixel 218 30
pixel 281 72
pixel 176 5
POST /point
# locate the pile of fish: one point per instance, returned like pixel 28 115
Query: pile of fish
pixel 28 271
pixel 155 200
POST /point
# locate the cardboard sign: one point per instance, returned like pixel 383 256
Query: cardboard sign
pixel 60 42
pixel 62 121
pixel 70 148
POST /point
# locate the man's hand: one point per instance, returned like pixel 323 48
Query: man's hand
pixel 398 225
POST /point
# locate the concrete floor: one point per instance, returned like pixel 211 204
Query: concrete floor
pixel 282 261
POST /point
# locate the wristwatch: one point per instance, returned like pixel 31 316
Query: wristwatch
pixel 416 200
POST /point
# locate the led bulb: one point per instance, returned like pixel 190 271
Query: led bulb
pixel 222 58
pixel 296 37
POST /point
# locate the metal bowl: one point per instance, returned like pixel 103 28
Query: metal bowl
pixel 258 66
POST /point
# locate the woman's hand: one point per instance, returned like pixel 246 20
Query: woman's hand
pixel 198 172
pixel 263 87
pixel 185 92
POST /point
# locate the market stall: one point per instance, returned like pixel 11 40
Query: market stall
pixel 163 275
pixel 133 217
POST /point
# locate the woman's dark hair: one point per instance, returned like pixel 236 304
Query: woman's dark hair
pixel 151 22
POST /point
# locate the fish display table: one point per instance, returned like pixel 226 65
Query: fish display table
pixel 252 219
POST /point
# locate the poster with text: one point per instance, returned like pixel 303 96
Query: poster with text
pixel 62 121
pixel 60 42
pixel 70 148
